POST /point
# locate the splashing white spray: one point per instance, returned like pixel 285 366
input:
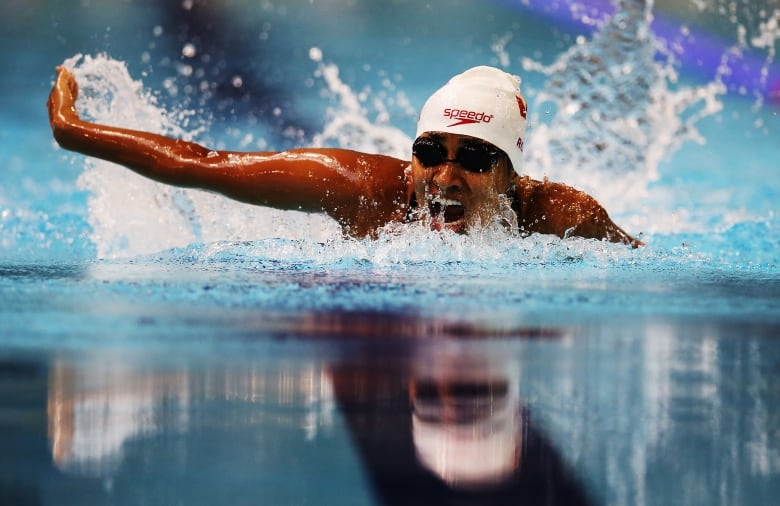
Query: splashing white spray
pixel 349 127
pixel 131 215
pixel 616 116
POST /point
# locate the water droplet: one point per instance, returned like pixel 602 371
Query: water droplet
pixel 315 54
pixel 188 50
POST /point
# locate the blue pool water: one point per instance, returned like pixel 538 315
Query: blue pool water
pixel 165 346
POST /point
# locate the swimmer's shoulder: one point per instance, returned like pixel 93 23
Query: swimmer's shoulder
pixel 384 183
pixel 534 193
pixel 387 175
pixel 555 208
pixel 552 208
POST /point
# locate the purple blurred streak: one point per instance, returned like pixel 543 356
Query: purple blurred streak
pixel 699 53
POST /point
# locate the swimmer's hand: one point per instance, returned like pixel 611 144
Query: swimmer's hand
pixel 62 102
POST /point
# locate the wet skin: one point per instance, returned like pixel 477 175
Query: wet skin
pixel 362 192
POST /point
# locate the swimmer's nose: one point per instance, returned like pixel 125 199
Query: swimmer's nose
pixel 446 177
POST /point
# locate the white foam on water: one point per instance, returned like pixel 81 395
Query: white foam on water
pixel 415 248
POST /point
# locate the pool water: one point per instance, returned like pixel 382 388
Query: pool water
pixel 167 346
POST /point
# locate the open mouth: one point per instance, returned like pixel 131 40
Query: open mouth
pixel 451 210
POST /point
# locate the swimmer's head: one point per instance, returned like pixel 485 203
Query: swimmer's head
pixel 482 102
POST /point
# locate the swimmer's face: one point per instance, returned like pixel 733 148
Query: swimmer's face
pixel 458 180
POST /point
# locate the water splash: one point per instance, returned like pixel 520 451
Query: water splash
pixel 766 38
pixel 409 248
pixel 108 95
pixel 618 112
pixel 348 125
pixel 131 215
pixel 614 114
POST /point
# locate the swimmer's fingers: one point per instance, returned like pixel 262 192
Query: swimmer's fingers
pixel 62 99
pixel 67 80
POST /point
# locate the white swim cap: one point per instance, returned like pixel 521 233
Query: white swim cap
pixel 482 102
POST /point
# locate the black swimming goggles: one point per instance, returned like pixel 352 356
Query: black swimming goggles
pixel 473 156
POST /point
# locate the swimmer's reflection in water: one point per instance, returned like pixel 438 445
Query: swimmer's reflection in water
pixel 451 429
pixel 435 421
pixel 467 422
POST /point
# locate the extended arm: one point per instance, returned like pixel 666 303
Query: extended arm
pixel 554 208
pixel 362 192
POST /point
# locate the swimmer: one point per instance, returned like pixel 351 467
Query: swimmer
pixel 464 171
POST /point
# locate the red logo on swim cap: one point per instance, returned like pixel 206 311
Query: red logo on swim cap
pixel 466 117
pixel 523 107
